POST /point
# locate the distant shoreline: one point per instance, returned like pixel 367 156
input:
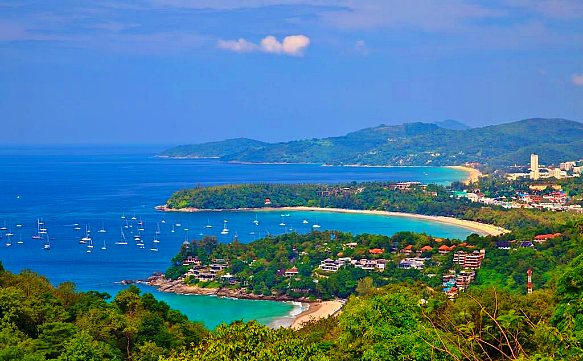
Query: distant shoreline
pixel 473 174
pixel 480 228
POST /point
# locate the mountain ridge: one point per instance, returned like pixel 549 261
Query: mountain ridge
pixel 410 144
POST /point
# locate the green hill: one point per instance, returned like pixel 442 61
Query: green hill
pixel 411 144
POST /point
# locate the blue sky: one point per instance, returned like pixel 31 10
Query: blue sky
pixel 179 71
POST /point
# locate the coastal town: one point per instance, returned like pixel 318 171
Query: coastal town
pixel 553 187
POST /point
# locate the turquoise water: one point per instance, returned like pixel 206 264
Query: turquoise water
pixel 96 187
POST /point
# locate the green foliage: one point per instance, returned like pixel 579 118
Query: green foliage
pixel 42 322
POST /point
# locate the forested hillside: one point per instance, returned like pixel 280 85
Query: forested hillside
pixel 411 144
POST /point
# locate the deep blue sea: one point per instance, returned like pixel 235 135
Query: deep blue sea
pixel 95 187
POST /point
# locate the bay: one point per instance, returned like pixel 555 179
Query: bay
pixel 95 186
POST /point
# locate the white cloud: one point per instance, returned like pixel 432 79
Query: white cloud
pixel 293 45
pixel 577 79
pixel 239 46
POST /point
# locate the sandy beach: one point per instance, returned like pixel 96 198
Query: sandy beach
pixel 316 311
pixel 477 227
pixel 473 174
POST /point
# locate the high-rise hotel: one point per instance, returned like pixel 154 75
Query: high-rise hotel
pixel 534 166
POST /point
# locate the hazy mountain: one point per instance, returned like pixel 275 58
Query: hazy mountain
pixel 452 124
pixel 412 144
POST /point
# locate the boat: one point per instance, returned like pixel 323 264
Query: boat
pixel 208 224
pixel 173 229
pixel 127 225
pixel 90 245
pixel 225 229
pixel 20 238
pixel 102 230
pixel 76 227
pixel 122 239
pixel 156 240
pixel 157 228
pixel 305 221
pixel 178 225
pixel 256 221
pixel 18 225
pixel 3 228
pixel 315 225
pixel 123 216
pixel 134 217
pixel 104 247
pixel 47 246
pixel 282 222
pixel 87 237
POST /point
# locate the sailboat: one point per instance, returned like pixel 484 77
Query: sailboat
pixel 256 221
pixel 282 222
pixel 122 240
pixel 163 221
pixel 76 227
pixel 173 229
pixel 47 246
pixel 20 237
pixel 127 225
pixel 102 230
pixel 225 229
pixel 208 224
pixel 157 228
pixel 134 217
pixel 8 241
pixel 316 224
pixel 123 215
pixel 3 228
pixel 104 247
pixel 155 244
pixel 305 221
pixel 140 225
pixel 87 237
pixel 90 245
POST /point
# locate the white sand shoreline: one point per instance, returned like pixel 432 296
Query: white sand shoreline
pixel 480 228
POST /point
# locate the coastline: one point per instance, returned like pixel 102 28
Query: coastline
pixel 305 310
pixel 316 311
pixel 473 174
pixel 480 228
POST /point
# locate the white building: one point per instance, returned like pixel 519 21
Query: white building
pixel 534 174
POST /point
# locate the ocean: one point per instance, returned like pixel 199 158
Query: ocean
pixel 94 187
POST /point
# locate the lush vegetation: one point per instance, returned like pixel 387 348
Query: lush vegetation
pixel 42 322
pixel 414 322
pixel 395 322
pixel 412 144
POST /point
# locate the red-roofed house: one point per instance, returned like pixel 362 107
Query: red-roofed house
pixel 408 249
pixel 376 251
pixel 291 272
pixel 445 249
pixel 267 202
pixel 426 249
pixel 543 237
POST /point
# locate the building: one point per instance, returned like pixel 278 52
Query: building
pixel 534 171
pixel 291 272
pixel 469 260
